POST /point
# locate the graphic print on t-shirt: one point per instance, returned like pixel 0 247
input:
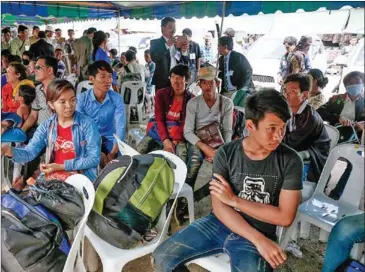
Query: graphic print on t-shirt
pixel 64 145
pixel 254 190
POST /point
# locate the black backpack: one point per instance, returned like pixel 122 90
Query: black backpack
pixel 32 238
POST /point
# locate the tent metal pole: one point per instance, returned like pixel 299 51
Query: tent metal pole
pixel 221 31
pixel 119 51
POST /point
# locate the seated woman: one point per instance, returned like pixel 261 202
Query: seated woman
pixel 167 131
pixel 72 139
pixel 208 109
pixel 319 82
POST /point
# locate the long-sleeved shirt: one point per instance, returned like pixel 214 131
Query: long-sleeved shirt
pixel 198 115
pixel 108 115
pixel 17 46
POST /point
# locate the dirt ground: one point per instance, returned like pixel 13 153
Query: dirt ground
pixel 313 250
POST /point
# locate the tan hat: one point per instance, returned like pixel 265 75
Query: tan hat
pixel 49 28
pixel 207 73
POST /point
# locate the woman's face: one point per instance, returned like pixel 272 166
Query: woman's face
pixel 65 105
pixel 11 75
pixel 178 84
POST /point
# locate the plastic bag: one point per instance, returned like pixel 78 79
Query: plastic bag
pixel 61 198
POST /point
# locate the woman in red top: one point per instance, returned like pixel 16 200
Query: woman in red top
pixel 170 112
pixel 16 75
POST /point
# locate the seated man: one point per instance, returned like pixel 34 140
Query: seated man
pixel 105 106
pixel 203 111
pixel 347 232
pixel 255 188
pixel 346 108
pixel 306 131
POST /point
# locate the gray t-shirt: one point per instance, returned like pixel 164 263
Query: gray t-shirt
pixel 259 181
pixel 40 104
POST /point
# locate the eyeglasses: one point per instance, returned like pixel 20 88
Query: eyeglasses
pixel 39 67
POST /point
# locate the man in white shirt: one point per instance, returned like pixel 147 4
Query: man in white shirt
pixel 49 36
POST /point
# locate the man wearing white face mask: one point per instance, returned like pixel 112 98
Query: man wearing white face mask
pixel 347 108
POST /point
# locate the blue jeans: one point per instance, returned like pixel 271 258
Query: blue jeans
pixel 347 232
pixel 204 237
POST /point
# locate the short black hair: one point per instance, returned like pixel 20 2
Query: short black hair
pixel 291 40
pixel 266 101
pixel 353 74
pixel 304 81
pixel 187 31
pixel 59 49
pixel 50 62
pixel 147 52
pixel 165 21
pixel 28 94
pixel 130 55
pixel 58 29
pixel 42 34
pixel 91 30
pixel 114 52
pixel 226 41
pixel 317 74
pixel 70 30
pixel 102 65
pixel 22 28
pixel 5 30
pixel 14 58
pixel 133 48
pixel 181 70
pixel 35 27
pixel 28 54
pixel 5 52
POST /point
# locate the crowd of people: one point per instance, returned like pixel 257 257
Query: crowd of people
pixel 257 177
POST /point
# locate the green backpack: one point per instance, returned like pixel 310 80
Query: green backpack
pixel 130 193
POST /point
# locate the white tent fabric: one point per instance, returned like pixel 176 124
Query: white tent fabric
pixel 356 22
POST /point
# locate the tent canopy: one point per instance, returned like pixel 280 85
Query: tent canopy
pixel 36 12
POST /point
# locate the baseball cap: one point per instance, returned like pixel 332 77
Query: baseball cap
pixel 49 28
pixel 207 73
pixel 230 32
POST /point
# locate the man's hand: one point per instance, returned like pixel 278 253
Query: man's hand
pixel 5 125
pixel 360 125
pixel 18 183
pixel 168 146
pixel 223 191
pixel 171 41
pixel 270 251
pixel 209 153
pixel 345 122
pixel 6 150
pixel 51 168
pixel 111 156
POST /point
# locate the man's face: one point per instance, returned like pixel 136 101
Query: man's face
pixel 188 38
pixel 207 42
pixel 222 50
pixel 147 58
pixel 269 132
pixel 23 34
pixel 4 62
pixel 71 34
pixel 7 37
pixel 59 34
pixel 58 54
pixel 49 34
pixel 123 60
pixel 289 47
pixel 293 95
pixel 178 83
pixel 35 32
pixel 169 30
pixel 42 72
pixel 102 81
pixel 353 41
pixel 207 86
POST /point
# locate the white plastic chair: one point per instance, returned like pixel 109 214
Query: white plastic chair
pixel 334 135
pixel 113 258
pixel 74 260
pixel 84 86
pixel 135 136
pixel 324 212
pixel 73 79
pixel 195 89
pixel 134 86
pixel 186 191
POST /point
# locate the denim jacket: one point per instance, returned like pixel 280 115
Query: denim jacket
pixel 86 139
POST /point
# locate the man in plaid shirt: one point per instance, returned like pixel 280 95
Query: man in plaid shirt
pixel 207 51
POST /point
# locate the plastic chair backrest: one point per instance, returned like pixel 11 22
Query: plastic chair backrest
pixel 125 149
pixel 334 135
pixel 134 86
pixel 86 84
pixel 195 89
pixel 180 172
pixel 72 78
pixel 86 189
pixel 355 184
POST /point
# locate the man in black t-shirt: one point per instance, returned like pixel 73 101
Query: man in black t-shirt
pixel 192 58
pixel 256 187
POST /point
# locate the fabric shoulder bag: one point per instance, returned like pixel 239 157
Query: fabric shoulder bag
pixel 211 134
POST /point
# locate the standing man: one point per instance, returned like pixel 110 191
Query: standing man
pixel 230 32
pixel 208 54
pixel 299 61
pixel 290 43
pixel 20 43
pixel 42 47
pixel 49 35
pixel 83 50
pixel 70 50
pixel 35 36
pixel 192 55
pixel 234 69
pixel 6 36
pixel 59 40
pixel 104 106
pixel 164 53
